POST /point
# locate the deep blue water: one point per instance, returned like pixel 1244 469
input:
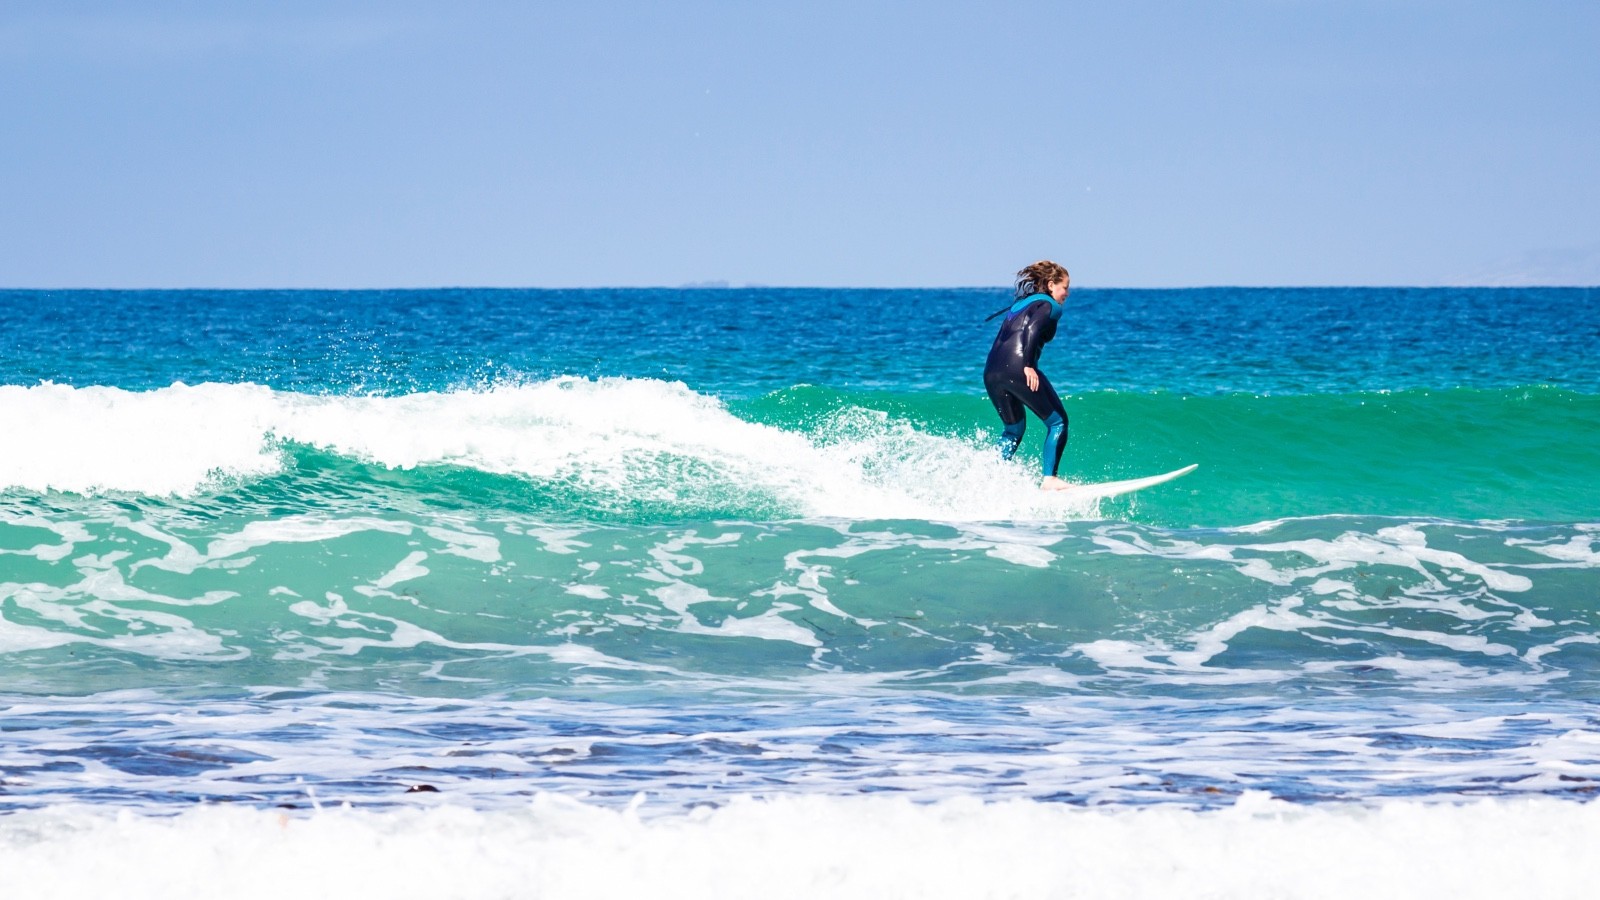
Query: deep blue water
pixel 743 342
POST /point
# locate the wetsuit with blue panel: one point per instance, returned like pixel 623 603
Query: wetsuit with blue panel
pixel 1029 324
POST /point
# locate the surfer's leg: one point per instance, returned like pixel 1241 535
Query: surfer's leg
pixel 1055 443
pixel 1047 406
pixel 1012 415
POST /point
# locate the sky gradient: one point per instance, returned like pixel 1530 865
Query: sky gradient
pixel 1143 144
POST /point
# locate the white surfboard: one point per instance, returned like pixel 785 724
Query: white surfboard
pixel 1128 486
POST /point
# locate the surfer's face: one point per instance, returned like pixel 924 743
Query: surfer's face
pixel 1060 289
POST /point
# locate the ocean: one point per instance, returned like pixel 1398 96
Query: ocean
pixel 726 592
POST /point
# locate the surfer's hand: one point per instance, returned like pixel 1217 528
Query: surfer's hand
pixel 1031 377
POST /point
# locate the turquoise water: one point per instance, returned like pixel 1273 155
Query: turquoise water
pixel 266 546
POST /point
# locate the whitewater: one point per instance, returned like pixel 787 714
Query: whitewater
pixel 709 592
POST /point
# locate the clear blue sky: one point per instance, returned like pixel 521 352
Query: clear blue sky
pixel 351 144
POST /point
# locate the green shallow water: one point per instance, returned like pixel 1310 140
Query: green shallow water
pixel 1522 453
pixel 668 454
pixel 448 605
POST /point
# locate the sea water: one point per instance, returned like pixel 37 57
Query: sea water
pixel 727 593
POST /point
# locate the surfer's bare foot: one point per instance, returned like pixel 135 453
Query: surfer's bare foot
pixel 1052 483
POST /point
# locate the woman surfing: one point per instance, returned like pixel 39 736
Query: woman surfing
pixel 1011 374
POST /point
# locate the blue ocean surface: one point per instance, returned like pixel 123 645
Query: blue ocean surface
pixel 664 551
pixel 749 342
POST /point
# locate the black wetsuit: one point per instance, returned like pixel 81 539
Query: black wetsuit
pixel 1028 326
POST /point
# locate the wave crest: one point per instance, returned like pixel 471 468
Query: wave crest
pixel 606 443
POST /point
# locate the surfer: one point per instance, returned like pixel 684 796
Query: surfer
pixel 1012 374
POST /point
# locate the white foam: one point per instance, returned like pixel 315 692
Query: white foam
pixel 169 441
pixel 184 559
pixel 768 625
pixel 808 847
pixel 673 564
pixel 1023 555
pixel 102 596
pixel 407 569
pixel 70 533
pixel 1578 549
pixel 630 439
pixel 1403 546
pixel 466 542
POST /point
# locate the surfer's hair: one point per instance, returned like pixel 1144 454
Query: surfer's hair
pixel 1037 278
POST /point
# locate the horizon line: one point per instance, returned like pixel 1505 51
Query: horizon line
pixel 725 286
